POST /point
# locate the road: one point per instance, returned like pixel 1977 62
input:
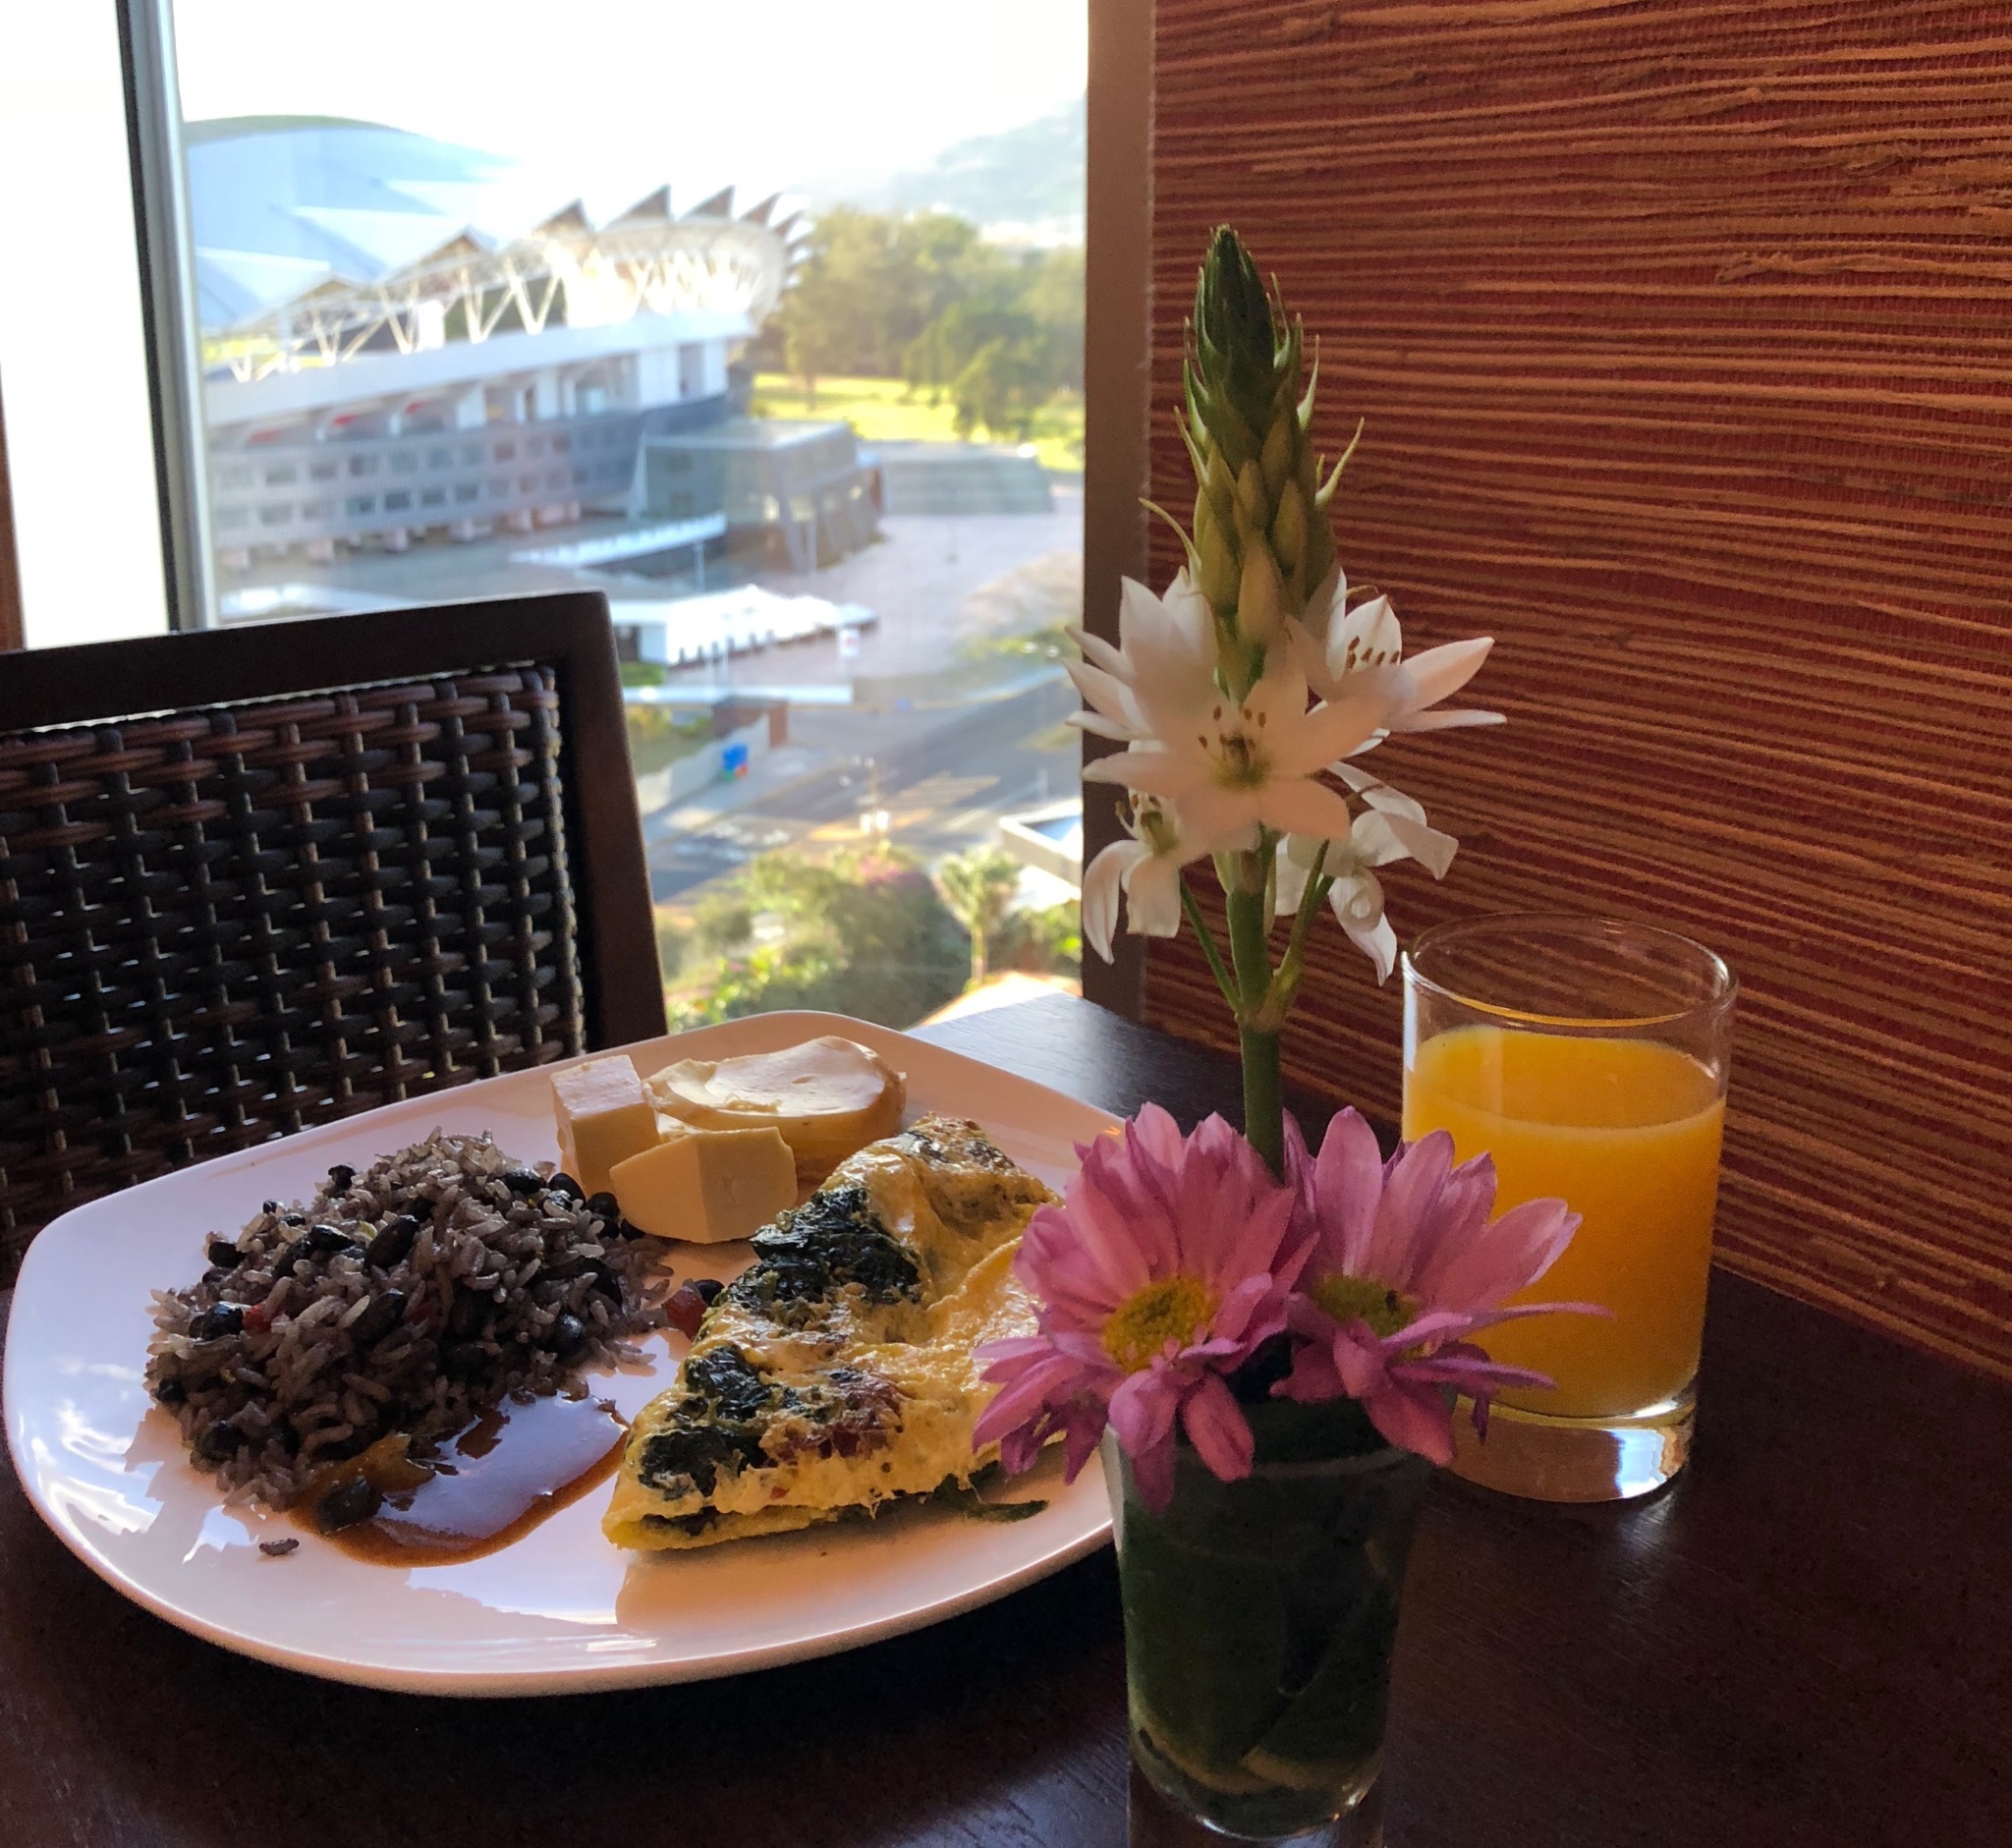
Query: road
pixel 943 777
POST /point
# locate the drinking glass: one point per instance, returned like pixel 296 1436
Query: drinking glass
pixel 1588 1057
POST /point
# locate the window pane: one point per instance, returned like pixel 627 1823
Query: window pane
pixel 777 339
pixel 73 345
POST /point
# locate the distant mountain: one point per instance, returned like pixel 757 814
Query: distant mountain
pixel 1023 184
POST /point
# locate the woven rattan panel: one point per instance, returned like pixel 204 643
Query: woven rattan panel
pixel 219 926
pixel 1684 335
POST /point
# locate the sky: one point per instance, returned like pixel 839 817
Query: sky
pixel 609 98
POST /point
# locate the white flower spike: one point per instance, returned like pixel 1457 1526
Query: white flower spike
pixel 1334 644
pixel 1147 869
pixel 1238 765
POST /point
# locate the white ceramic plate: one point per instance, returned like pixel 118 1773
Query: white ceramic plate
pixel 561 1608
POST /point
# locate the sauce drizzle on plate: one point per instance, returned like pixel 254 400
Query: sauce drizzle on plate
pixel 491 1484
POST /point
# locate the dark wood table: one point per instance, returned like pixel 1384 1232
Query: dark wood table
pixel 1806 1640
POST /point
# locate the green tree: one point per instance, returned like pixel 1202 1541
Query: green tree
pixel 979 886
pixel 862 933
pixel 1044 942
pixel 923 298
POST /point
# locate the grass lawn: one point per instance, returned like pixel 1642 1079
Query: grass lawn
pixel 887 410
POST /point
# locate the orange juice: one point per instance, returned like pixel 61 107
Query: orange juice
pixel 1626 1132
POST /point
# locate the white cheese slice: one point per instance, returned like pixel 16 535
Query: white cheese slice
pixel 828 1096
pixel 602 1116
pixel 708 1186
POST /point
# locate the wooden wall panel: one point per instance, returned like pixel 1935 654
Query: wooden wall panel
pixel 1684 336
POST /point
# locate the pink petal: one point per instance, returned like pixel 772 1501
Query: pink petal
pixel 1234 1314
pixel 1007 1358
pixel 1215 1425
pixel 1359 1359
pixel 1348 1182
pixel 1503 1258
pixel 1313 1381
pixel 1411 1190
pixel 1082 1433
pixel 1021 1450
pixel 1142 1409
pixel 1414 1416
pixel 1056 1379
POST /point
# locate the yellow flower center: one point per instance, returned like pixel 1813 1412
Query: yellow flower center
pixel 1140 1327
pixel 1348 1298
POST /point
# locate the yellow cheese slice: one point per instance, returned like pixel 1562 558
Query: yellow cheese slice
pixel 708 1186
pixel 828 1096
pixel 603 1117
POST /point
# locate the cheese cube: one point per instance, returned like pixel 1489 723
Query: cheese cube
pixel 603 1117
pixel 708 1186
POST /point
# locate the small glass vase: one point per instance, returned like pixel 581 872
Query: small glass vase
pixel 1260 1617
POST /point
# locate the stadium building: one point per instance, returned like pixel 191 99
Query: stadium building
pixel 381 361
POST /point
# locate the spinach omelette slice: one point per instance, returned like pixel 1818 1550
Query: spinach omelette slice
pixel 836 1372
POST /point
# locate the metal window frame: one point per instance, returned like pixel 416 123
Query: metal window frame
pixel 1117 376
pixel 167 302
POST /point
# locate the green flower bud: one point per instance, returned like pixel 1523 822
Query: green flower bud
pixel 1218 569
pixel 1289 540
pixel 1276 457
pixel 1261 598
pixel 1254 504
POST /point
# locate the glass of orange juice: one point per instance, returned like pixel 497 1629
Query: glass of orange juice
pixel 1588 1057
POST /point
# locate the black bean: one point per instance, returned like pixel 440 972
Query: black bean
pixel 170 1391
pixel 278 1549
pixel 217 1443
pixel 464 1314
pixel 569 1336
pixel 384 1314
pixel 606 1278
pixel 394 1244
pixel 567 1185
pixel 223 1254
pixel 346 1504
pixel 213 1325
pixel 604 1205
pixel 269 1207
pixel 463 1358
pixel 341 1178
pixel 317 1242
pixel 707 1288
pixel 523 1180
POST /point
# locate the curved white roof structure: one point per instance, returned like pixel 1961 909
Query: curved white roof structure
pixel 325 244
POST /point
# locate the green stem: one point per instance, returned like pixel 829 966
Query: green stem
pixel 1263 1102
pixel 1208 950
pixel 1285 984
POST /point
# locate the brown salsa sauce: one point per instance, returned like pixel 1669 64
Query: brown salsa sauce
pixel 485 1487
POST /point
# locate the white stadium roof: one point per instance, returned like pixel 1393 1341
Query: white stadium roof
pixel 320 242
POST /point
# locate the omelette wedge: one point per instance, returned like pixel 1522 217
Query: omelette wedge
pixel 836 1373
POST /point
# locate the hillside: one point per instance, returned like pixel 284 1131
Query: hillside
pixel 1026 180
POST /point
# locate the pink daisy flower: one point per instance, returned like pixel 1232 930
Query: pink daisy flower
pixel 1406 1266
pixel 1165 1267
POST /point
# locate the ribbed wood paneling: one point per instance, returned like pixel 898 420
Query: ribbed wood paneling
pixel 1684 335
